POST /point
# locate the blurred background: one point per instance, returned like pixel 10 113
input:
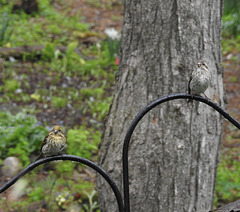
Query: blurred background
pixel 58 61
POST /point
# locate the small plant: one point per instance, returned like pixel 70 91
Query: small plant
pixel 58 102
pixel 20 135
pixel 11 85
pixel 113 42
pixel 93 205
pixel 49 52
pixel 234 79
pixel 83 142
pixel 6 28
pixel 36 193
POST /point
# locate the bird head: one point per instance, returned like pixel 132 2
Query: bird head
pixel 57 129
pixel 202 64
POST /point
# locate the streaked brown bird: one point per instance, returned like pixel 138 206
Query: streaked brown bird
pixel 200 79
pixel 54 143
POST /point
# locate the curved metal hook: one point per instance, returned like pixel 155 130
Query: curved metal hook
pixel 72 158
pixel 140 115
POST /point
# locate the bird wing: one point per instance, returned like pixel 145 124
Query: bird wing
pixel 44 141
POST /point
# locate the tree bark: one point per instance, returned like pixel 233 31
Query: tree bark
pixel 174 150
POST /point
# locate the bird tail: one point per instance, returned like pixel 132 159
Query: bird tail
pixel 190 101
pixel 189 91
pixel 39 157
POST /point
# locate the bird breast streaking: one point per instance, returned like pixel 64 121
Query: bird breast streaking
pixel 54 143
pixel 200 79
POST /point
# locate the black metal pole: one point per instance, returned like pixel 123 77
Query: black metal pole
pixel 140 115
pixel 72 158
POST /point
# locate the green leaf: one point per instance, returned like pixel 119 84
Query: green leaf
pixel 71 47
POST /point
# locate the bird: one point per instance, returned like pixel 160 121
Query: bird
pixel 54 143
pixel 200 79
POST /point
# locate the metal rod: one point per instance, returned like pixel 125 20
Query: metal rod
pixel 72 158
pixel 141 114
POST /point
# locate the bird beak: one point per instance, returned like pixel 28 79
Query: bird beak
pixel 56 131
pixel 205 65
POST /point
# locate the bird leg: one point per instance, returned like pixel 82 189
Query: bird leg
pixel 206 96
pixel 190 100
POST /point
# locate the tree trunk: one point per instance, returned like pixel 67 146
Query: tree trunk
pixel 174 150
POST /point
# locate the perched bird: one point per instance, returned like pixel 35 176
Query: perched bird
pixel 54 143
pixel 199 80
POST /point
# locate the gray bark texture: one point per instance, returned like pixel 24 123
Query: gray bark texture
pixel 174 150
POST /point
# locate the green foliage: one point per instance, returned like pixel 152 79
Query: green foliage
pixel 43 189
pixel 68 63
pixel 230 45
pixel 49 26
pixel 71 60
pixel 59 192
pixel 48 53
pixel 231 24
pixel 92 92
pixel 94 3
pixel 231 6
pixel 11 85
pixel 85 189
pixel 6 28
pixel 60 18
pixel 234 79
pixel 113 47
pixel 83 142
pixel 65 168
pixel 36 194
pixel 228 182
pixel 99 108
pixel 12 89
pixel 58 102
pixel 20 135
pixel 231 18
pixel 93 205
